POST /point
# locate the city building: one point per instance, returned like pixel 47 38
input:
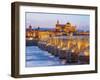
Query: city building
pixel 60 29
pixel 66 28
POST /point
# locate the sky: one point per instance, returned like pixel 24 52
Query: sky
pixel 49 20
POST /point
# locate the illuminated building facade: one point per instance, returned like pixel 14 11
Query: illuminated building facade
pixel 60 29
pixel 65 28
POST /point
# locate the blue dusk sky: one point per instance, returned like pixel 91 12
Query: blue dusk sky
pixel 47 20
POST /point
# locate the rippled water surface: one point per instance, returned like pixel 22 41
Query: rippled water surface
pixel 37 57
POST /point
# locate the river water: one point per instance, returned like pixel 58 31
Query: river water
pixel 37 57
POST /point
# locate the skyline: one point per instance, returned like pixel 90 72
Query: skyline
pixel 49 20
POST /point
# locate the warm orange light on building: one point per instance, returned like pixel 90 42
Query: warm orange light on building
pixel 86 53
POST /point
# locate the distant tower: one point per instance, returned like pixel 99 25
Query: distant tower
pixel 38 28
pixel 30 27
pixel 57 21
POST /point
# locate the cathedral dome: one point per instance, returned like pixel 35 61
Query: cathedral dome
pixel 68 24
